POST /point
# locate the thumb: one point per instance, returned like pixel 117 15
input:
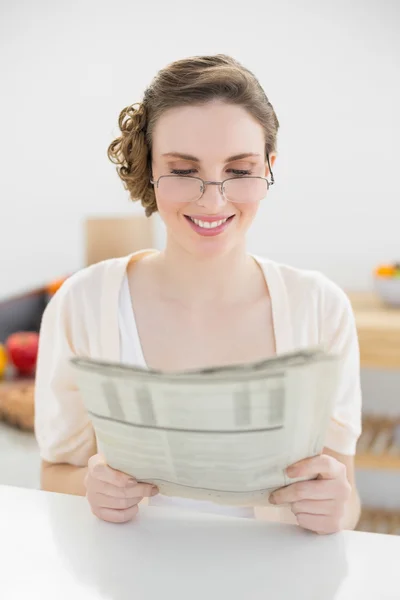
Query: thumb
pixel 97 463
pixel 99 469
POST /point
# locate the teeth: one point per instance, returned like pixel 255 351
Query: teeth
pixel 208 224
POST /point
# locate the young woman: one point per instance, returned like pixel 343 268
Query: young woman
pixel 199 149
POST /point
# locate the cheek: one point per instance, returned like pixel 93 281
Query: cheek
pixel 168 211
pixel 248 211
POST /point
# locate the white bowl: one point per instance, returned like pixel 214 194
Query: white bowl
pixel 388 290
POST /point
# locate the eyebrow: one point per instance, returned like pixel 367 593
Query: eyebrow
pixel 195 159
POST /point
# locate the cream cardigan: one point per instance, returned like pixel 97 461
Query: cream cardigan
pixel 82 319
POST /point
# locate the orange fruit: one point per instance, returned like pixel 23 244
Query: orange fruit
pixel 3 360
pixel 54 286
pixel 385 271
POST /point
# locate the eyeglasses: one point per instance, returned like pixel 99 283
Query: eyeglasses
pixel 240 189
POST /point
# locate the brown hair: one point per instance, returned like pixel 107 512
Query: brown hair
pixel 195 81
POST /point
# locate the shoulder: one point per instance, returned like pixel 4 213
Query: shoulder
pixel 74 314
pixel 306 285
pixel 89 282
pixel 79 300
pixel 319 308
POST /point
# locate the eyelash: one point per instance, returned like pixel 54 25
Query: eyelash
pixel 190 171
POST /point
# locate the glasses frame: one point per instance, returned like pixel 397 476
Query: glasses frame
pixel 204 183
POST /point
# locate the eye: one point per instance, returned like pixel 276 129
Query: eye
pixel 239 171
pixel 183 171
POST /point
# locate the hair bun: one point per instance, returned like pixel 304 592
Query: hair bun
pixel 133 119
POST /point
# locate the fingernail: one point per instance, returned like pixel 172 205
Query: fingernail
pixel 272 499
pixel 291 471
pixel 131 482
pixel 154 491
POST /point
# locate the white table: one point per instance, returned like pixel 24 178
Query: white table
pixel 52 547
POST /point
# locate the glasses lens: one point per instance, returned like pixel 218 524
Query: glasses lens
pixel 174 188
pixel 245 189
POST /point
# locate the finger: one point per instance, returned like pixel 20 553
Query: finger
pixel 98 469
pixel 305 490
pixel 129 491
pixel 102 501
pixel 319 523
pixel 315 507
pixel 323 466
pixel 144 490
pixel 116 516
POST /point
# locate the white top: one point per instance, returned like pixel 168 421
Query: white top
pixel 132 354
pixel 53 547
pixel 83 319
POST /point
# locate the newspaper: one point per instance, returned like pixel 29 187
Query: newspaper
pixel 224 434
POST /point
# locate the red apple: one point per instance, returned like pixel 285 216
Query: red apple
pixel 22 349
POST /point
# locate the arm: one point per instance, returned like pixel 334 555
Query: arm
pixel 63 430
pixel 63 478
pixel 327 500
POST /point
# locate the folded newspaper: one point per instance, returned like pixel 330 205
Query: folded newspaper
pixel 224 434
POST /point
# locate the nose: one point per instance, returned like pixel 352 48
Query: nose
pixel 212 199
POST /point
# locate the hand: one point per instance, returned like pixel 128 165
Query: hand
pixel 113 496
pixel 320 504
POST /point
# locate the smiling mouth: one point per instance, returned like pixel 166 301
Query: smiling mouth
pixel 209 224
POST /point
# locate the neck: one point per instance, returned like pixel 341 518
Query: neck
pixel 199 281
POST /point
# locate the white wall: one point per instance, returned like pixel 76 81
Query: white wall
pixel 331 70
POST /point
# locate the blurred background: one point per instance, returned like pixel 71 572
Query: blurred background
pixel 331 71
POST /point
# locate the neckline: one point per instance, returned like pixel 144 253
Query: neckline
pixel 132 324
pixel 281 317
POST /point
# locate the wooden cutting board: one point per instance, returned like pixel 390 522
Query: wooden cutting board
pixel 378 328
pixel 17 402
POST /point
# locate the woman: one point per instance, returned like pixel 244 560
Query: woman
pixel 199 149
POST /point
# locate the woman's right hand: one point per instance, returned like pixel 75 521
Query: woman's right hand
pixel 114 496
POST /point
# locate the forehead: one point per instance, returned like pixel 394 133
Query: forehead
pixel 211 131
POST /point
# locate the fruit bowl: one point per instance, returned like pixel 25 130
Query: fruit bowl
pixel 387 284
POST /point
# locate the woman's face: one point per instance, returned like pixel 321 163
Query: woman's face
pixel 215 141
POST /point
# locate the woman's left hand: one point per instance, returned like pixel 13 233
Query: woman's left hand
pixel 319 504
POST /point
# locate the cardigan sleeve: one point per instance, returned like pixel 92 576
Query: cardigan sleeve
pixel 339 336
pixel 62 426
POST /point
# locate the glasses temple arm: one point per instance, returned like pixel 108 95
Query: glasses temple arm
pixel 270 170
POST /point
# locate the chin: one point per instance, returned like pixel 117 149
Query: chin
pixel 212 247
pixel 211 250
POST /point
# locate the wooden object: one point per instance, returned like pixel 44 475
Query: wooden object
pixel 113 237
pixel 379 444
pixel 379 520
pixel 378 328
pixel 17 402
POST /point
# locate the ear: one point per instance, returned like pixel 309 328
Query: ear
pixel 272 158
